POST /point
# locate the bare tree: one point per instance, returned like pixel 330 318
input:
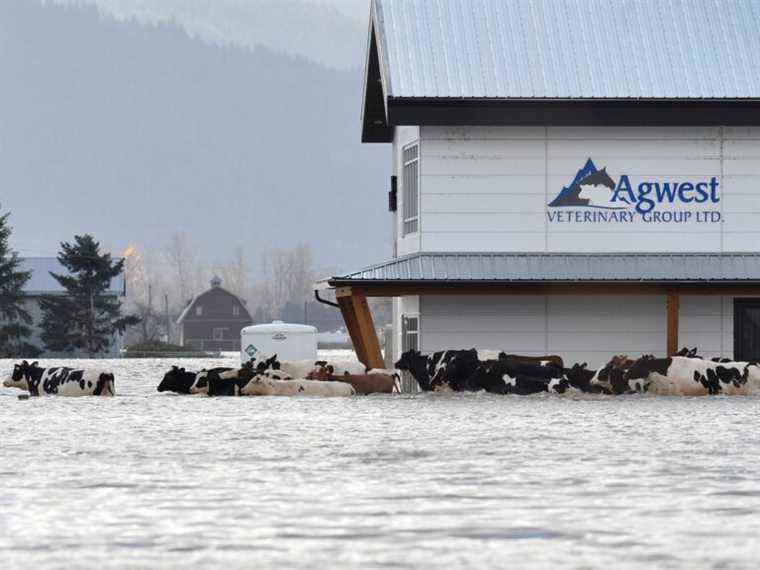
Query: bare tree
pixel 235 274
pixel 181 259
pixel 141 295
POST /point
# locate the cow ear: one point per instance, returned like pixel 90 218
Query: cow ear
pixel 35 364
pixel 24 363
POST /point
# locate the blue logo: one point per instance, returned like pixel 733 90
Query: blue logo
pixel 595 188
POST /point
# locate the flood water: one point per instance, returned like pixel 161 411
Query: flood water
pixel 148 480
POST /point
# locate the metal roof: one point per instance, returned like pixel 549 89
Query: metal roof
pixel 561 267
pixel 42 283
pixel 569 49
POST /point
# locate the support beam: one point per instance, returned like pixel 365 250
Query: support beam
pixel 361 328
pixel 399 289
pixel 673 314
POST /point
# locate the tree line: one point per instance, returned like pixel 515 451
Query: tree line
pixel 275 284
pixel 83 317
pixel 160 282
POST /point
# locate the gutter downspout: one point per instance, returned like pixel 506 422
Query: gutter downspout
pixel 324 301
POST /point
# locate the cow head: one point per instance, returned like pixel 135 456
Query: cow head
pixel 580 376
pixel 259 386
pixel 21 374
pixel 646 365
pixel 177 380
pixel 416 364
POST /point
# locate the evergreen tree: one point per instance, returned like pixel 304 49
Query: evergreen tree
pixel 85 318
pixel 14 318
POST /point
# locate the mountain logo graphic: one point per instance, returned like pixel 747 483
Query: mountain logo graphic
pixel 591 188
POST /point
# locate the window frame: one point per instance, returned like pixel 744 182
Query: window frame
pixel 221 333
pixel 410 189
pixel 199 310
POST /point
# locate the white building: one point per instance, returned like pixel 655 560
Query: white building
pixel 573 178
pixel 42 284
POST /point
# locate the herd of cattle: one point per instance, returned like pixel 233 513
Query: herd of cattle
pixel 265 377
pixel 685 374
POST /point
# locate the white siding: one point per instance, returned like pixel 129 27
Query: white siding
pixel 579 328
pixel 487 188
pixel 409 243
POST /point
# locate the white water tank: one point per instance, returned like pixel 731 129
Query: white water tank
pixel 288 341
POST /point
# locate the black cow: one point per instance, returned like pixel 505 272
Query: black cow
pixel 416 364
pixel 177 380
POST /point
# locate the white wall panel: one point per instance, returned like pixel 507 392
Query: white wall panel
pixel 632 133
pixel 481 187
pixel 474 166
pixel 485 241
pixel 483 133
pixel 605 241
pixel 579 328
pixel 482 204
pixel 483 222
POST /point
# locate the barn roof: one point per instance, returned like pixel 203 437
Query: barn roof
pixel 216 286
pixel 439 51
pixel 42 283
pixel 560 268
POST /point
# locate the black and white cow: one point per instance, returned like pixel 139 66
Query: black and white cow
pixel 510 377
pixel 461 370
pixel 201 383
pixel 695 377
pixel 451 369
pixel 585 380
pixel 61 381
pixel 414 362
pixel 177 380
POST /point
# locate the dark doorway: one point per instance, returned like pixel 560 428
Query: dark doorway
pixel 747 329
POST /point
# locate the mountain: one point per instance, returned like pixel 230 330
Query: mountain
pixel 331 32
pixel 569 194
pixel 134 132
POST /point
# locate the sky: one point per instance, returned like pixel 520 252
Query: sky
pixel 238 124
pixel 287 28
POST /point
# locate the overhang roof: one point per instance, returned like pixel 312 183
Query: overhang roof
pixel 507 267
pixel 571 54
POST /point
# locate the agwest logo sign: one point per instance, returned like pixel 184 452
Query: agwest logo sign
pixel 594 196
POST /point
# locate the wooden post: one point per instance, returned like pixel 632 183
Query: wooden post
pixel 361 328
pixel 673 310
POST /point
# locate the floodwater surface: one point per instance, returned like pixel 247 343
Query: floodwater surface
pixel 148 480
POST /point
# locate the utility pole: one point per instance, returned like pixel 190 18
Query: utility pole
pixel 168 322
pixel 306 312
pixel 91 331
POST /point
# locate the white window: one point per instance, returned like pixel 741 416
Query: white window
pixel 411 189
pixel 218 333
pixel 199 311
pixel 235 310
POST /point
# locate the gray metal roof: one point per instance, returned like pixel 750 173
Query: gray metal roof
pixel 570 49
pixel 562 267
pixel 42 283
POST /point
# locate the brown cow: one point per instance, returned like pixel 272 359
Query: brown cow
pixel 364 384
pixel 551 359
